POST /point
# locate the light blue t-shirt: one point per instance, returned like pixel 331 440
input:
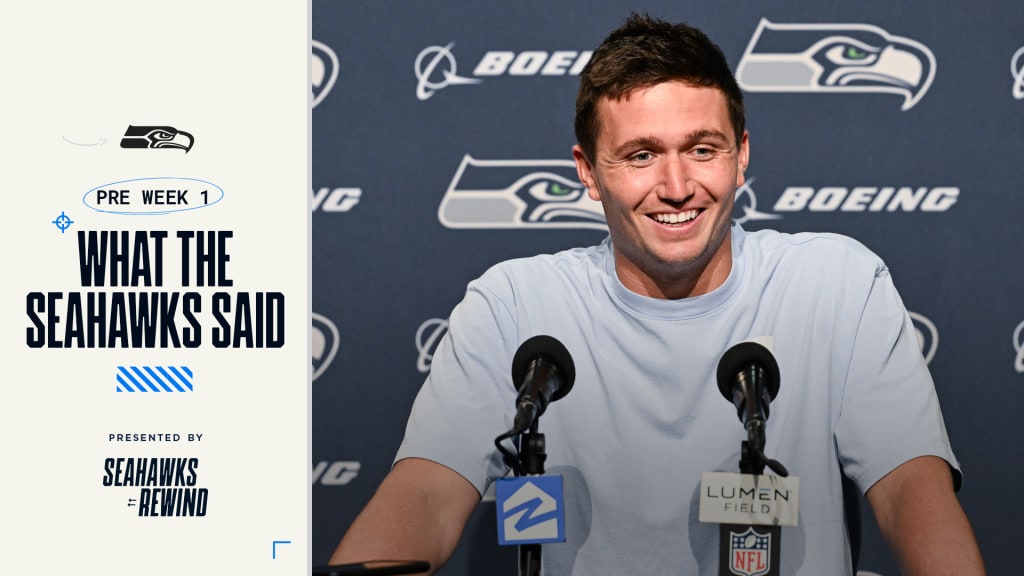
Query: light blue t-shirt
pixel 645 417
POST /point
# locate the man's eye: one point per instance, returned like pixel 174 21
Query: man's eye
pixel 643 156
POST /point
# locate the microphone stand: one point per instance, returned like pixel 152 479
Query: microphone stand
pixel 752 458
pixel 752 449
pixel 753 461
pixel 750 461
pixel 531 463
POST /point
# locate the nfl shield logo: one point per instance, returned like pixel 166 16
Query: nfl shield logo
pixel 749 553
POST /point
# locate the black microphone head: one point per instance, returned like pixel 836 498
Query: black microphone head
pixel 738 358
pixel 551 349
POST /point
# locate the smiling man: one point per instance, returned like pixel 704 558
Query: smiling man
pixel 666 165
pixel 646 316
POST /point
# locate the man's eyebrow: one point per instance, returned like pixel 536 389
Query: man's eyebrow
pixel 655 142
pixel 637 144
pixel 708 134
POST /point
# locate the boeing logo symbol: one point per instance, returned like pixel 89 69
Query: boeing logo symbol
pixel 437 59
pixel 745 205
pixel 427 337
pixel 518 194
pixel 1017 70
pixel 1018 345
pixel 436 68
pixel 835 58
pixel 324 342
pixel 324 68
pixel 927 336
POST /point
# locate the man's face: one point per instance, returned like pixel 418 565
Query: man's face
pixel 666 167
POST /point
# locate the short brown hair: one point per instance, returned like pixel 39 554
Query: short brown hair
pixel 646 51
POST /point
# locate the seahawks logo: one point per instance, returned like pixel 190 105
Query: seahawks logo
pixel 835 58
pixel 156 137
pixel 324 71
pixel 518 194
pixel 325 340
pixel 927 336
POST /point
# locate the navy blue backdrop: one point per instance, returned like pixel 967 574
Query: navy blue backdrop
pixel 429 115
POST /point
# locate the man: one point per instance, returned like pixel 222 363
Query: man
pixel 646 316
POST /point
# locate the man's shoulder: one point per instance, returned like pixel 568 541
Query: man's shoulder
pixel 827 246
pixel 571 261
pixel 539 281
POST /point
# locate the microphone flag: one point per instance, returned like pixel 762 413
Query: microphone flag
pixel 531 510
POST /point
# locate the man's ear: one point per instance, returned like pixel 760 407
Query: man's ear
pixel 742 159
pixel 586 173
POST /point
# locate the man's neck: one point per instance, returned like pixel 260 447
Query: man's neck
pixel 675 282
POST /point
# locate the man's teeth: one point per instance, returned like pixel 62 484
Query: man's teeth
pixel 676 218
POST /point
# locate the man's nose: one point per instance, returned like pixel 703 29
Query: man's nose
pixel 675 177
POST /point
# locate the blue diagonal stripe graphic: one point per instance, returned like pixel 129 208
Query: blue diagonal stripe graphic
pixel 143 378
pixel 184 373
pixel 123 382
pixel 154 379
pixel 170 378
pixel 134 386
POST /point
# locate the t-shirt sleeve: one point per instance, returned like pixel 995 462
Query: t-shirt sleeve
pixel 468 399
pixel 890 411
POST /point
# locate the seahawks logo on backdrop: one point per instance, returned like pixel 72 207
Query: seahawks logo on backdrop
pixel 1018 345
pixel 835 58
pixel 927 335
pixel 518 194
pixel 323 71
pixel 325 340
pixel 156 137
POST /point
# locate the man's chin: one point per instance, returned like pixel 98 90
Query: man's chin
pixel 690 259
pixel 675 263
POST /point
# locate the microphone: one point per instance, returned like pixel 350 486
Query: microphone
pixel 543 372
pixel 748 376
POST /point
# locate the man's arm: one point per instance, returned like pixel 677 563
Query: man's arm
pixel 418 513
pixel 922 521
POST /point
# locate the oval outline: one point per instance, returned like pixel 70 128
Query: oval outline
pixel 152 213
